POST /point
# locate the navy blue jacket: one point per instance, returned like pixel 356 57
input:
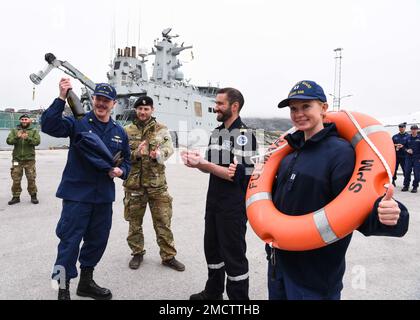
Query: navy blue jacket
pixel 414 144
pixel 400 138
pixel 307 180
pixel 85 178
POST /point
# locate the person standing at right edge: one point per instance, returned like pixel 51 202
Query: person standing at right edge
pixel 412 162
pixel 232 143
pixel 399 140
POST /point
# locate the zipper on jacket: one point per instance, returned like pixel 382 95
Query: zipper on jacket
pixel 273 262
pixel 142 130
pixel 289 173
pixel 21 147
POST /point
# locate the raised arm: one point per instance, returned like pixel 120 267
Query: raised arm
pixel 52 121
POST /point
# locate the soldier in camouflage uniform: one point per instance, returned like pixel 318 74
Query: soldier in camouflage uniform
pixel 24 138
pixel 151 145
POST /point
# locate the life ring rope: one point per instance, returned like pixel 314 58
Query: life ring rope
pixel 364 134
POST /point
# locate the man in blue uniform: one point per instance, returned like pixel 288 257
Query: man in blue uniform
pixel 412 162
pixel 87 186
pixel 399 141
pixel 225 218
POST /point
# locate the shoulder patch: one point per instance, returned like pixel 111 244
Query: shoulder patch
pixel 242 140
pixel 160 126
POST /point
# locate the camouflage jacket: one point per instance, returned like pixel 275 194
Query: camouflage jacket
pixel 145 171
pixel 24 149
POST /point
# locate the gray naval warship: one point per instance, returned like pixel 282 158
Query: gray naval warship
pixel 187 110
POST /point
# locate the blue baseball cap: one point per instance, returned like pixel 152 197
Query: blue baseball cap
pixel 105 90
pixel 305 90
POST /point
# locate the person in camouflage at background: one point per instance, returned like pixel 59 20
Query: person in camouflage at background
pixel 151 145
pixel 24 138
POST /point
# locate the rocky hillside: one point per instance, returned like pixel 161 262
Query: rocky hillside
pixel 273 124
pixel 273 128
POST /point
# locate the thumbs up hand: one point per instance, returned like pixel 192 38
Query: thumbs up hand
pixel 232 168
pixel 388 210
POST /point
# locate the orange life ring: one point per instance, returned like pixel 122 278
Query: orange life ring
pixel 341 216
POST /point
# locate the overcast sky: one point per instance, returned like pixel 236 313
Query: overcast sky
pixel 260 47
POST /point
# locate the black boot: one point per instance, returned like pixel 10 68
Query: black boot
pixel 64 294
pixel 203 295
pixel 14 201
pixel 88 288
pixel 34 200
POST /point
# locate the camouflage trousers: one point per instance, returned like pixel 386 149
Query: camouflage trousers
pixel 160 203
pixel 17 173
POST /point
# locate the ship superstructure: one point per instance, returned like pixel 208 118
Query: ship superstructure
pixel 178 104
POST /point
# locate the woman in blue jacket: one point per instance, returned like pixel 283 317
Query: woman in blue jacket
pixel 307 180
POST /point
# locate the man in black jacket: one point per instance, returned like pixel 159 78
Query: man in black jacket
pixel 225 220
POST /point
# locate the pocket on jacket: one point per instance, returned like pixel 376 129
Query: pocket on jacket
pixel 157 177
pixel 133 180
pixel 127 207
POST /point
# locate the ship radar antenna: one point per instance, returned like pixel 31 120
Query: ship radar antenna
pixel 128 27
pixel 139 38
pixel 113 34
pixel 165 33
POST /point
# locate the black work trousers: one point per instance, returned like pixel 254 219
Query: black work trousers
pixel 225 250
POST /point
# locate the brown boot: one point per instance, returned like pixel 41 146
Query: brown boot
pixel 136 261
pixel 174 264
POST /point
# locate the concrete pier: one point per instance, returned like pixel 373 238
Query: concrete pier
pixel 377 267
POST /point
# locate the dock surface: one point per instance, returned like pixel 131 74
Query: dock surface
pixel 377 267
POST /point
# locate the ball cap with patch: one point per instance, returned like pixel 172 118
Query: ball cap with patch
pixel 105 90
pixel 304 90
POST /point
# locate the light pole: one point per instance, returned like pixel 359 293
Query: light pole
pixel 337 100
pixel 337 80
